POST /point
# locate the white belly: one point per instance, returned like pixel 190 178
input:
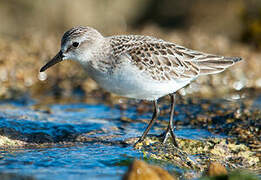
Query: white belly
pixel 128 81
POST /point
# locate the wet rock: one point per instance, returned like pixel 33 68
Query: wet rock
pixel 196 154
pixel 6 142
pixel 153 148
pixel 234 175
pixel 139 170
pixel 12 176
pixel 216 169
pixel 239 119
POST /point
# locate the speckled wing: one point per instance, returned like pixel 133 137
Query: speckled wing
pixel 167 61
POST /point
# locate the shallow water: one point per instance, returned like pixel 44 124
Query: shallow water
pixel 86 161
pixel 67 157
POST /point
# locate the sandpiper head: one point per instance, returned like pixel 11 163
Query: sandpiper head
pixel 76 44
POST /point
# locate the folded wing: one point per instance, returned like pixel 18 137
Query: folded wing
pixel 167 61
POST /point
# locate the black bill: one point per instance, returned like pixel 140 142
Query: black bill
pixel 53 61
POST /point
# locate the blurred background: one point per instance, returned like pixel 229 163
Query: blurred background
pixel 30 33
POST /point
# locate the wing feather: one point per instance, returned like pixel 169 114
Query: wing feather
pixel 167 61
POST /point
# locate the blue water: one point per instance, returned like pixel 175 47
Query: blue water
pixel 88 161
pixel 78 160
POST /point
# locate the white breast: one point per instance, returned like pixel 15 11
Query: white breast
pixel 128 81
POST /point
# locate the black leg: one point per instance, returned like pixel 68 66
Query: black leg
pixel 154 117
pixel 170 129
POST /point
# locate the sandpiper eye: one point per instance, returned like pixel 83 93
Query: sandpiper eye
pixel 75 44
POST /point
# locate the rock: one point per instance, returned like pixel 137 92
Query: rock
pixel 17 176
pixel 6 142
pixel 216 169
pixel 139 170
pixel 234 175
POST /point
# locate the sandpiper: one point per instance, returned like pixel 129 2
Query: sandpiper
pixel 136 66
